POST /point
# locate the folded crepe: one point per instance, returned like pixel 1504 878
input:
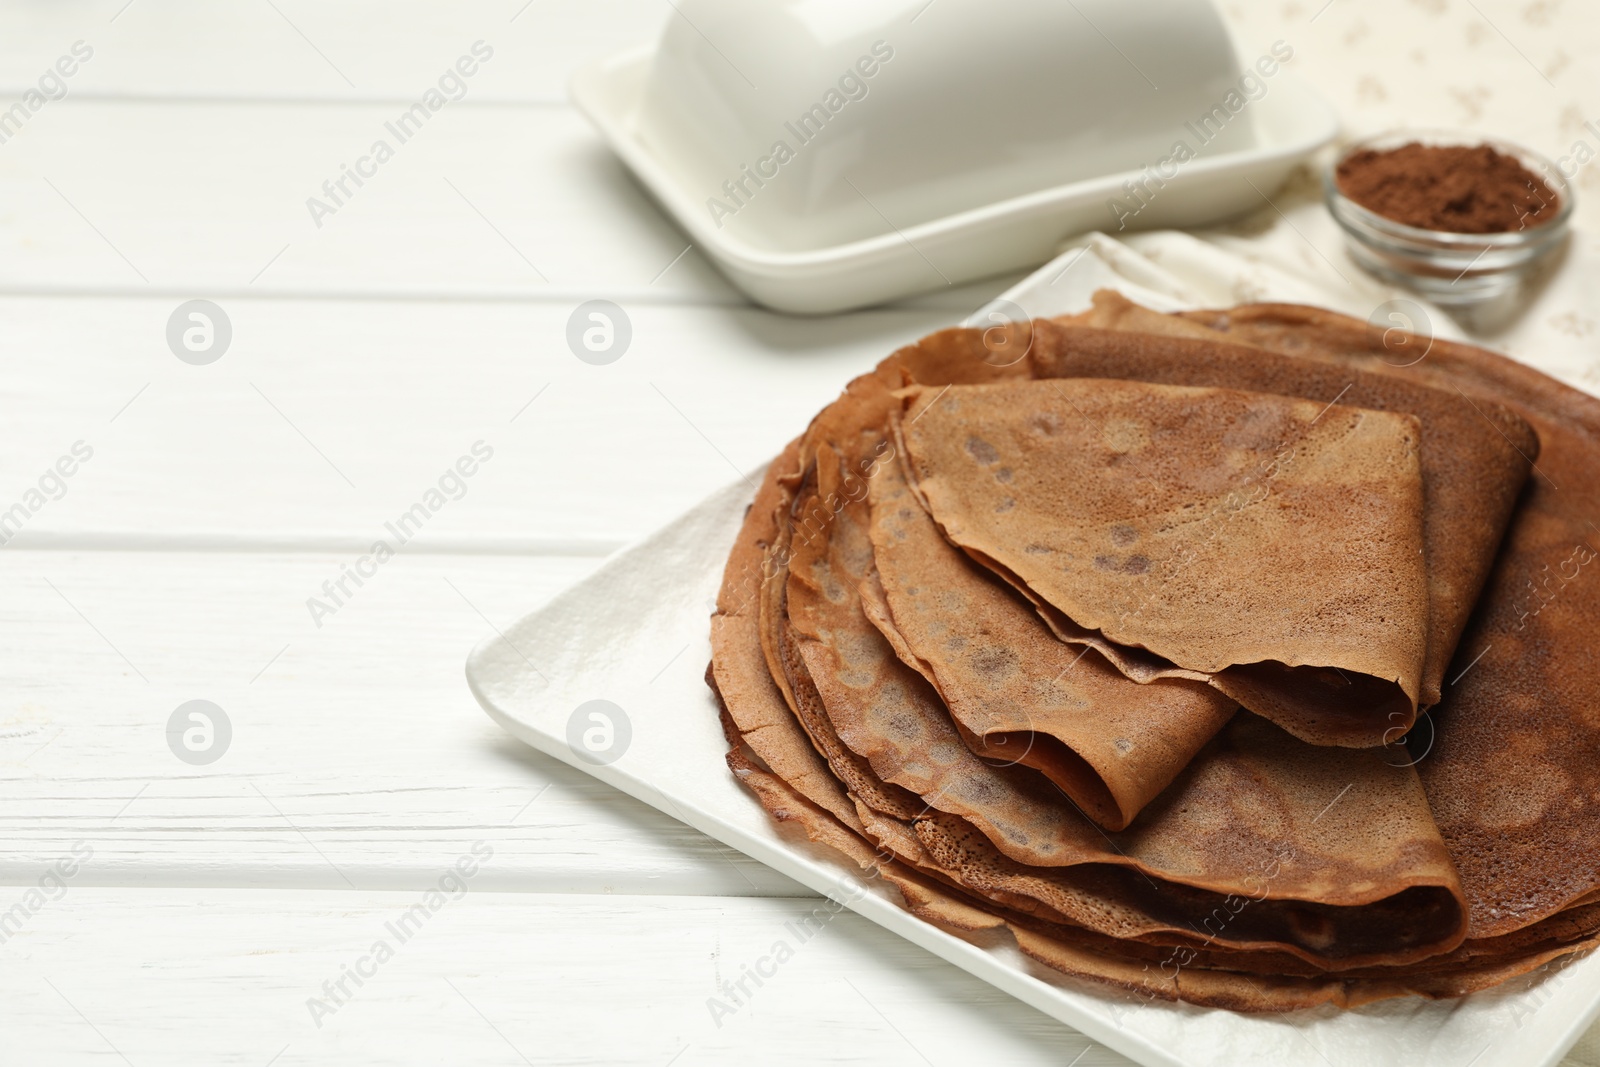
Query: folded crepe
pixel 1268 545
pixel 1268 875
pixel 1474 455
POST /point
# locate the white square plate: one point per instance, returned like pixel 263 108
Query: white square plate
pixel 605 639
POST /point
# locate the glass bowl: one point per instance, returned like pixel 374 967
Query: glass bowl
pixel 1451 269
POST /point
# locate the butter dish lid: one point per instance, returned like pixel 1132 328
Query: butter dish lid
pixel 803 124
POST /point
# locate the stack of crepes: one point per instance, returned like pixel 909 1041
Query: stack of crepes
pixel 1214 655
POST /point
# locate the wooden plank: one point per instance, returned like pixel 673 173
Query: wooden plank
pixel 235 199
pixel 328 419
pixel 293 49
pixel 224 976
pixel 186 198
pixel 358 757
pixel 393 50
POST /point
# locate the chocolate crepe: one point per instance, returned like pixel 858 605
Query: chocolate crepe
pixel 1268 545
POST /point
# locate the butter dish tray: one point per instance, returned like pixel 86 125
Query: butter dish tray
pixel 846 226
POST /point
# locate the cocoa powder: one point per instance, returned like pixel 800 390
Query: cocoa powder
pixel 1456 188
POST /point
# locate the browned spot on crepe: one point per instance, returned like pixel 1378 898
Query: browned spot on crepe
pixel 1237 536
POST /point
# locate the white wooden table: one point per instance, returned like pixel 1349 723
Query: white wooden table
pixel 163 912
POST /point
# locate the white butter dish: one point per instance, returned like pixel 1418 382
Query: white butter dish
pixel 829 155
